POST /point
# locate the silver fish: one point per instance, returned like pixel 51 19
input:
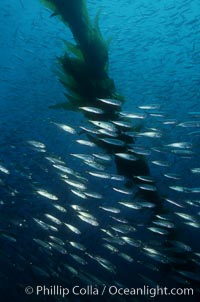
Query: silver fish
pixel 131 205
pixel 77 245
pixel 172 176
pixel 113 141
pixel 158 230
pixel 36 144
pixel 149 107
pixel 44 225
pixel 122 124
pixel 107 132
pixel 89 130
pixel 145 178
pixel 110 247
pixel 66 128
pixel 112 102
pixel 93 194
pixel 72 228
pixel 80 194
pixel 190 124
pixel 126 257
pixel 127 156
pixel 78 259
pixel 151 134
pixel 46 194
pixel 53 219
pixel 4 170
pixel 60 208
pixel 91 221
pixel 123 191
pixel 85 143
pixel 100 175
pixel 105 125
pixel 133 115
pixel 92 110
pixel 110 209
pixel 183 145
pixel 132 242
pixel 103 157
pixel 76 184
pixel 147 187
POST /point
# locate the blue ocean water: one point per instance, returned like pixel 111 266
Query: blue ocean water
pixel 154 59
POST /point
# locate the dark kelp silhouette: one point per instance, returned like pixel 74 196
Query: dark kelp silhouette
pixel 84 73
pixel 84 65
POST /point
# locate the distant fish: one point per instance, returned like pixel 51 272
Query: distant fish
pixel 169 122
pixel 45 226
pixel 131 205
pixel 89 220
pixel 149 107
pixel 172 176
pixel 126 156
pixel 139 150
pixel 77 245
pixel 37 145
pixel 184 145
pixel 132 242
pixel 105 125
pixel 151 134
pixel 122 124
pixel 160 163
pixel 102 156
pixel 164 223
pixel 174 202
pixel 110 247
pixel 53 219
pixel 123 191
pixel 113 141
pixel 195 170
pixel 110 209
pixel 72 228
pixel 76 184
pixel 88 129
pixel 107 132
pixel 126 257
pixel 93 194
pixel 147 187
pixel 78 259
pixel 185 189
pixel 4 170
pixel 159 231
pixel 100 174
pixel 145 178
pixel 190 124
pixel 85 142
pixel 92 110
pixel 79 193
pixel 46 194
pixel 133 115
pixel 66 128
pixel 60 208
pixel 64 169
pixel 111 102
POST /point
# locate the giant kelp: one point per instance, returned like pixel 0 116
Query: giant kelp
pixel 84 64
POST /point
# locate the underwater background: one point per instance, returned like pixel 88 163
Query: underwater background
pixel 154 58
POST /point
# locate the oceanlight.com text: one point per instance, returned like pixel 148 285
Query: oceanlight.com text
pixel 90 290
